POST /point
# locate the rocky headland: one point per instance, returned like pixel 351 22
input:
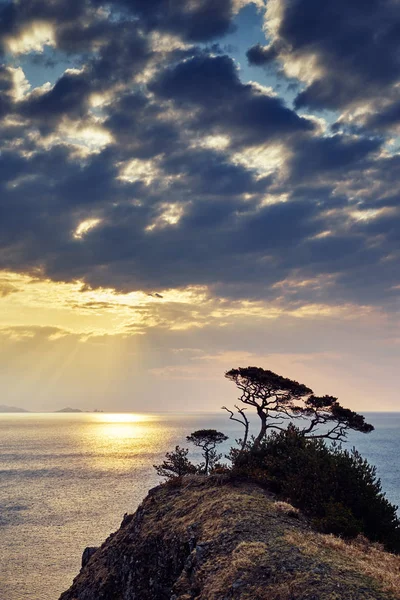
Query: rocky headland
pixel 211 539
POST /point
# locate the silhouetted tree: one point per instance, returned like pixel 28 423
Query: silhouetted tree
pixel 207 439
pixel 277 399
pixel 176 464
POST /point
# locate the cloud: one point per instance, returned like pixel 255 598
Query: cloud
pixel 320 157
pixel 68 97
pixel 6 90
pixel 197 21
pixel 81 26
pixel 26 26
pixel 140 127
pixel 345 54
pixel 259 55
pixel 211 84
pixel 150 164
pixel 224 234
pixel 6 289
pixel 387 117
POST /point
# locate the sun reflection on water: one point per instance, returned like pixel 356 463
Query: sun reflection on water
pixel 123 418
pixel 118 443
pixel 120 428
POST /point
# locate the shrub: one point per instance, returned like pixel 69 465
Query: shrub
pixel 339 520
pixel 176 464
pixel 338 488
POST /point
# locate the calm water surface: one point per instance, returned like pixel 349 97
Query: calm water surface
pixel 67 480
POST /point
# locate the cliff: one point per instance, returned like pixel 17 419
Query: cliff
pixel 213 540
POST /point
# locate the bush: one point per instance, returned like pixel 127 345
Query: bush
pixel 176 464
pixel 339 520
pixel 338 488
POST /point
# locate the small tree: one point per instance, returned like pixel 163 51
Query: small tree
pixel 207 439
pixel 277 399
pixel 176 464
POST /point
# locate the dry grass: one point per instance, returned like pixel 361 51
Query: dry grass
pixel 286 509
pixel 220 509
pixel 293 589
pixel 242 546
pixel 360 555
pixel 248 554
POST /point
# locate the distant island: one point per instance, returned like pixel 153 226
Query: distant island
pixel 16 409
pixel 11 409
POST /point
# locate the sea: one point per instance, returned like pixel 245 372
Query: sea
pixel 66 480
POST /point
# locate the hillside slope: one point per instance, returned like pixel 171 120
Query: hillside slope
pixel 213 540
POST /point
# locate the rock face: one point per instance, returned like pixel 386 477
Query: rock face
pixel 87 554
pixel 214 540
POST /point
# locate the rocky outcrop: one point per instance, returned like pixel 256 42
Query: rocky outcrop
pixel 87 554
pixel 213 540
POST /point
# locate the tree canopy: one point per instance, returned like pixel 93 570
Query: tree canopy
pixel 207 439
pixel 278 399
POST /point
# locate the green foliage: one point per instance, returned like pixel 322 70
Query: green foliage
pixel 176 464
pixel 339 520
pixel 338 488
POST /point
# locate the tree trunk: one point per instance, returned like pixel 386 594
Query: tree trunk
pixel 263 430
pixel 246 435
pixel 206 452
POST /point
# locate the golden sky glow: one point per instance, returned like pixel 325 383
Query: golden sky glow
pixel 72 345
pixel 73 308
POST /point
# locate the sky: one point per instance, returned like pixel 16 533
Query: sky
pixel 193 186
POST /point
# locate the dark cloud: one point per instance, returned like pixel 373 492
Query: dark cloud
pixel 81 26
pixel 212 85
pixel 197 21
pixel 11 166
pixel 68 97
pixel 222 238
pixel 139 128
pixel 354 45
pixel 259 55
pixel 93 183
pixel 386 118
pixel 217 245
pixel 207 172
pixel 16 16
pixel 202 80
pixel 171 206
pixel 6 89
pixel 277 228
pixel 321 157
pixel 124 53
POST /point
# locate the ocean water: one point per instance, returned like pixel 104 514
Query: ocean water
pixel 67 480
